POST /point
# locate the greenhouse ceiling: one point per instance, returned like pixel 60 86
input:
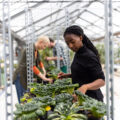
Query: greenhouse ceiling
pixel 50 17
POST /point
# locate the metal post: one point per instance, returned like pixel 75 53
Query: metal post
pixel 109 60
pixel 12 56
pixel 68 51
pixel 30 38
pixel 58 49
pixel 0 74
pixel 111 53
pixel 8 68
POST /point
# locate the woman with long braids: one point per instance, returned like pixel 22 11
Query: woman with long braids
pixel 86 68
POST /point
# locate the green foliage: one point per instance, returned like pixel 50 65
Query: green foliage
pixel 1 61
pixel 64 81
pixel 65 111
pixel 101 50
pixel 46 101
pixel 58 98
pixel 53 89
pixel 97 108
pixel 27 111
pixel 15 65
pixel 46 53
pixel 53 73
pixel 117 55
pixel 64 97
pixel 26 98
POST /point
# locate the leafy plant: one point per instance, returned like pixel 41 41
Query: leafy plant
pixel 65 112
pixel 64 97
pixel 101 50
pixel 26 111
pixel 96 108
pixel 57 98
pixel 53 89
pixel 53 74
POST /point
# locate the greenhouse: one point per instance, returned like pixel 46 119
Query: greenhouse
pixel 60 59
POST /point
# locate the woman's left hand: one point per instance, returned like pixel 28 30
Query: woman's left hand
pixel 44 71
pixel 83 89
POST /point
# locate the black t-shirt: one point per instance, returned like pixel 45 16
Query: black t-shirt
pixel 85 69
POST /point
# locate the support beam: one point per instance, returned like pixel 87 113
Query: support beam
pixel 41 19
pixel 60 24
pixel 103 37
pixel 70 18
pixel 53 22
pixel 23 11
pixel 91 23
pixel 85 28
pixel 109 54
pixel 102 18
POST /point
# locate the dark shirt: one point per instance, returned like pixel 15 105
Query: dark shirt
pixel 85 69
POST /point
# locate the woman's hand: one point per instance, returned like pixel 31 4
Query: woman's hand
pixel 44 71
pixel 92 86
pixel 49 80
pixel 75 98
pixel 44 78
pixel 83 88
pixel 61 75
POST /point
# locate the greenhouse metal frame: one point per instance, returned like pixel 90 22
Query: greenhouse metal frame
pixel 58 19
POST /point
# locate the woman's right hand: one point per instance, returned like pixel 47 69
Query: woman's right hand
pixel 62 75
pixel 75 98
pixel 49 80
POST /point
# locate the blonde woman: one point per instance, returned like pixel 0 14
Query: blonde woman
pixel 20 75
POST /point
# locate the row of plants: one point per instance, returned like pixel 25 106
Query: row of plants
pixel 55 102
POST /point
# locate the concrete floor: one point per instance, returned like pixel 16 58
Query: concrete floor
pixel 116 99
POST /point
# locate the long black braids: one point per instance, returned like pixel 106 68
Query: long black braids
pixel 79 32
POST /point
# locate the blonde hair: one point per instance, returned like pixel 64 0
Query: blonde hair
pixel 44 39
